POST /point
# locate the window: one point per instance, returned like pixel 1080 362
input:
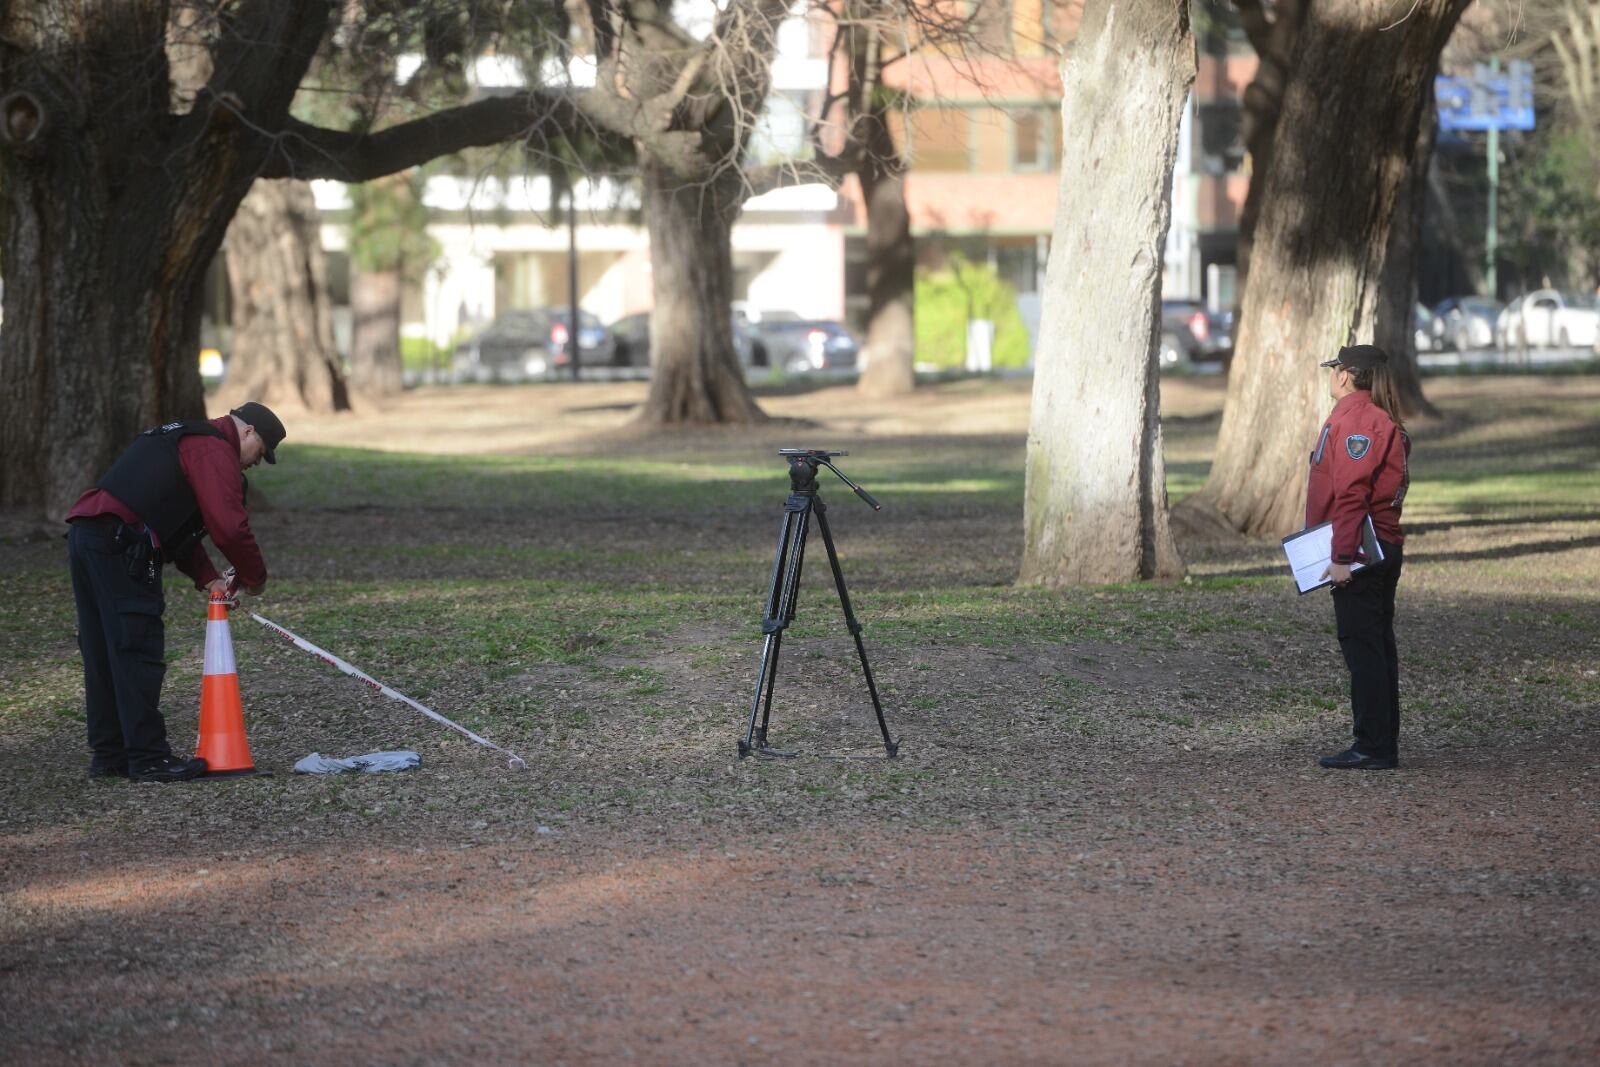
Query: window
pixel 940 139
pixel 1221 131
pixel 1031 140
pixel 991 24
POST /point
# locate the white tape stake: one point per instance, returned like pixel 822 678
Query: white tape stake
pixel 516 762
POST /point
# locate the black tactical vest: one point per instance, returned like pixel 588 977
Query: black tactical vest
pixel 148 478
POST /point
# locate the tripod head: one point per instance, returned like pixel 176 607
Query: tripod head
pixel 803 464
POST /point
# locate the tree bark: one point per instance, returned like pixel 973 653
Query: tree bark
pixel 103 256
pixel 695 375
pixel 283 351
pixel 1273 39
pixel 113 205
pixel 1397 300
pixel 1095 508
pixel 92 355
pixel 375 367
pixel 891 266
pixel 1347 141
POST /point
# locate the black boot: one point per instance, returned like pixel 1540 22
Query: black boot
pixel 1351 760
pixel 170 769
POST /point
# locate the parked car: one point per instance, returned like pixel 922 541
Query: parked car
pixel 1191 332
pixel 630 340
pixel 785 340
pixel 1465 322
pixel 1423 338
pixel 631 337
pixel 1549 317
pixel 530 343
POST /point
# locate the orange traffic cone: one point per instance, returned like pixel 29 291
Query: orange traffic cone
pixel 222 742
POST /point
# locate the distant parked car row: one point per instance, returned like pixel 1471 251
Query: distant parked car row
pixel 1549 318
pixel 1544 318
pixel 530 344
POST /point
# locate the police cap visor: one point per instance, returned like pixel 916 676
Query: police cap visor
pixel 1358 357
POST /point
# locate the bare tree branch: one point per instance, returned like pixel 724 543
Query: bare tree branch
pixel 304 151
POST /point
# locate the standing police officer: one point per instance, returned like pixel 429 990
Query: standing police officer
pixel 1359 471
pixel 172 487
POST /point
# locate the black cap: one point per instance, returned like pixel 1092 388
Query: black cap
pixel 266 423
pixel 1358 357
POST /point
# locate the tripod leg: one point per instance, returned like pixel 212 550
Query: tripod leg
pixel 779 613
pixel 891 746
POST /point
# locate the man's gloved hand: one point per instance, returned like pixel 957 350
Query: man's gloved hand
pixel 217 589
pixel 232 579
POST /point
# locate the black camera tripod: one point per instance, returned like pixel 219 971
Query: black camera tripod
pixel 797 511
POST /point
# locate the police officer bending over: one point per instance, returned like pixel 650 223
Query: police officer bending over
pixel 172 487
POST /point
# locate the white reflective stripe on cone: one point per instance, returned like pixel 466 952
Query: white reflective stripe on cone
pixel 219 648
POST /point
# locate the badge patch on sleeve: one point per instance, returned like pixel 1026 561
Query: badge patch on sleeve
pixel 1357 445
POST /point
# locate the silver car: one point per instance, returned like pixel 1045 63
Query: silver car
pixel 1465 322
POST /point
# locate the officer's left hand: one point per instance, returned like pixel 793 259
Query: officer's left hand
pixel 217 589
pixel 1338 572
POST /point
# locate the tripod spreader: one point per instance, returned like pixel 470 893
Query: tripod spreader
pixel 803 502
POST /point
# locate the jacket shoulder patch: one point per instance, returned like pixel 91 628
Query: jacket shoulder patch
pixel 1356 445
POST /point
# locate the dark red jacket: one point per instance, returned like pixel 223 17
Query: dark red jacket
pixel 1360 467
pixel 211 465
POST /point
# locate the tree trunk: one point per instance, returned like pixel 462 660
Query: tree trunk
pixel 1347 140
pixel 375 368
pixel 1397 299
pixel 891 266
pixel 104 254
pixel 1263 102
pixel 90 355
pixel 283 351
pixel 695 375
pixel 1095 508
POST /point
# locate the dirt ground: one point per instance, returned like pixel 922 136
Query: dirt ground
pixel 1113 847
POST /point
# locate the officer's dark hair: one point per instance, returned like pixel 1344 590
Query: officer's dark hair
pixel 1379 381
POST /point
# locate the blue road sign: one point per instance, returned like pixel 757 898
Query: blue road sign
pixel 1488 99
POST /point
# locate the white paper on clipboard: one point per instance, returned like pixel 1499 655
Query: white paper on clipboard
pixel 1310 553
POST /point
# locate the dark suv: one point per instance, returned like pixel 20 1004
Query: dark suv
pixel 784 340
pixel 1192 332
pixel 529 344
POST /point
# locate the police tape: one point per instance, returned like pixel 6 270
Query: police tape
pixel 516 762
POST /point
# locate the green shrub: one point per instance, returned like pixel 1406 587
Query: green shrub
pixel 963 290
pixel 420 353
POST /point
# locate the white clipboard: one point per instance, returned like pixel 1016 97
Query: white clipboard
pixel 1310 553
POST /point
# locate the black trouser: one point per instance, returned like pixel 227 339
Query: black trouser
pixel 124 648
pixel 1364 610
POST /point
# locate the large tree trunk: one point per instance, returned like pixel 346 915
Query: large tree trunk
pixel 283 350
pixel 109 221
pixel 375 370
pixel 1273 39
pixel 1346 144
pixel 891 266
pixel 1095 508
pixel 695 375
pixel 1397 296
pixel 91 355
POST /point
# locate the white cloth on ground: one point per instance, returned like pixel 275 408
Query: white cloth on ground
pixel 316 763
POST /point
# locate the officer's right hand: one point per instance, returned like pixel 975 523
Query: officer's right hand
pixel 256 590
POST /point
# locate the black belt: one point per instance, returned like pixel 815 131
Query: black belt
pixel 130 537
pixel 110 522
